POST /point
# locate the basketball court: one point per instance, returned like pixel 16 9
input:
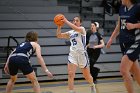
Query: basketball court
pixel 111 85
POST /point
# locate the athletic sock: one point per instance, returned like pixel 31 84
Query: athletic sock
pixel 72 91
pixel 93 88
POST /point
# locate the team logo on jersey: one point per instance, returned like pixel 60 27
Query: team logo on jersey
pixel 74 35
pixel 123 23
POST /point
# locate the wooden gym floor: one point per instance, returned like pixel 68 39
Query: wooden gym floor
pixel 110 85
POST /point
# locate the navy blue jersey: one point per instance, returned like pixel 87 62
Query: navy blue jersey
pixel 25 48
pixel 130 16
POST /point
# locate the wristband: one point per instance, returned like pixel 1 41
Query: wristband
pixel 46 70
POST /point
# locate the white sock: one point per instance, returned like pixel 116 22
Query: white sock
pixel 93 88
pixel 71 91
pixel 92 85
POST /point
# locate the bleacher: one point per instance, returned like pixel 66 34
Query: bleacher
pixel 17 17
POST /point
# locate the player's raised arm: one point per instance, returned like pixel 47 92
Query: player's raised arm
pixel 76 24
pixel 61 35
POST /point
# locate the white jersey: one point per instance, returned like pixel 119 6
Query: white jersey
pixel 78 40
pixel 78 55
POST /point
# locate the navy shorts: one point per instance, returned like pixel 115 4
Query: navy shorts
pixel 19 63
pixel 132 50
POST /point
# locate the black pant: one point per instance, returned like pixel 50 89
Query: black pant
pixel 93 57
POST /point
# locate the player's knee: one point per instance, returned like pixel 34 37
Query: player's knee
pixel 71 74
pixel 13 79
pixel 123 72
pixel 33 80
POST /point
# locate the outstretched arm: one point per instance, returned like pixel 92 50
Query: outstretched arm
pixel 114 34
pixel 41 60
pixel 74 27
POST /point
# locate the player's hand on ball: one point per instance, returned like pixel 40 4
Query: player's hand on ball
pixel 59 19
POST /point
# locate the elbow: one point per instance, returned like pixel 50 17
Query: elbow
pixel 102 45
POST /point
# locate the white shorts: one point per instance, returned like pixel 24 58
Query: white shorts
pixel 79 58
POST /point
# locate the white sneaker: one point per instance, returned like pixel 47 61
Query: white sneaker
pixel 93 89
pixel 72 92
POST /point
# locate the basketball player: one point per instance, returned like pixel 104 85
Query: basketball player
pixel 129 28
pixel 78 55
pixel 19 60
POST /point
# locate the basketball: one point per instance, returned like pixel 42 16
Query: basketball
pixel 58 18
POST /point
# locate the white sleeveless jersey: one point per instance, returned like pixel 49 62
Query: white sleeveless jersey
pixel 78 40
